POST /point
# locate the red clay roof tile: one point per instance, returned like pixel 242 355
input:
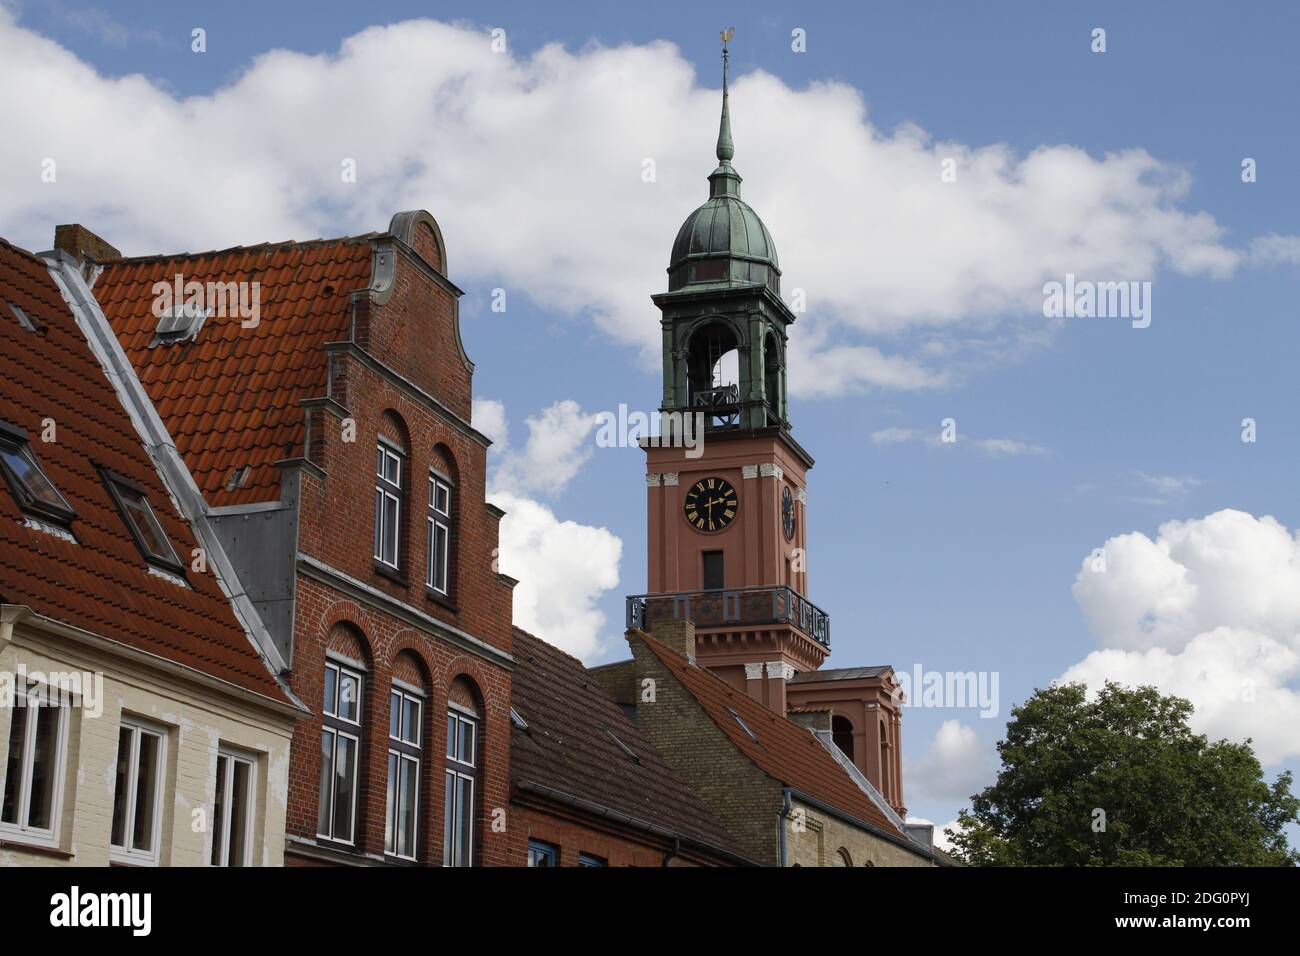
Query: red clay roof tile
pixel 101 583
pixel 265 370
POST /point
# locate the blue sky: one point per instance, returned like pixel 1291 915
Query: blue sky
pixel 952 557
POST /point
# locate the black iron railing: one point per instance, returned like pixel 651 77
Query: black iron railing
pixel 721 406
pixel 777 604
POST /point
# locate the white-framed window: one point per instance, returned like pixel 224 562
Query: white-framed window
pixel 31 778
pixel 137 792
pixel 232 813
pixel 401 825
pixel 438 541
pixel 460 779
pixel 388 504
pixel 340 754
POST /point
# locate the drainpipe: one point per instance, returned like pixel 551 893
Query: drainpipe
pixel 676 851
pixel 781 816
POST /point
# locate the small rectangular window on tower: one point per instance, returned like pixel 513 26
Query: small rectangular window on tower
pixel 713 577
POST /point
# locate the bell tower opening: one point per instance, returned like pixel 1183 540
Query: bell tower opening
pixel 713 375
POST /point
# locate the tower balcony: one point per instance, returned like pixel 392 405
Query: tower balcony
pixel 732 607
pixel 720 406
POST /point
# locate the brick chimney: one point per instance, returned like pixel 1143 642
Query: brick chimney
pixel 678 635
pixel 80 243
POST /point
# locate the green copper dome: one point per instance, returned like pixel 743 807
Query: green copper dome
pixel 724 241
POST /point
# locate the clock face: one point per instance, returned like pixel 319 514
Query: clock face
pixel 787 512
pixel 711 504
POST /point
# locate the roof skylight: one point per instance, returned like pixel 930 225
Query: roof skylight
pixel 32 488
pixel 743 726
pixel 133 503
pixel 632 755
pixel 180 322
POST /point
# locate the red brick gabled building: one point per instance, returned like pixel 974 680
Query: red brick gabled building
pixel 320 393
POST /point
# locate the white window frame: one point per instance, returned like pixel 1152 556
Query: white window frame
pixel 340 668
pixel 385 491
pixel 29 834
pixel 127 854
pixel 450 816
pixel 438 518
pixel 233 757
pixel 402 749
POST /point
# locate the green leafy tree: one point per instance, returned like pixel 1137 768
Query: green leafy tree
pixel 1121 780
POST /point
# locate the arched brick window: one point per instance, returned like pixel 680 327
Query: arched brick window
pixel 464 761
pixel 441 538
pixel 406 757
pixel 391 483
pixel 342 709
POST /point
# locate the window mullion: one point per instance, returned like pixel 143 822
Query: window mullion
pixel 227 786
pixel 132 783
pixel 249 824
pixel 27 767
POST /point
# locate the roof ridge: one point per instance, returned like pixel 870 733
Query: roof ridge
pixel 283 244
pixel 516 629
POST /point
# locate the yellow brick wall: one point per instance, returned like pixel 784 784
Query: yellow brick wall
pixel 814 838
pixel 197 720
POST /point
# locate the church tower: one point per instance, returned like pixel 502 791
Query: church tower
pixel 727 486
pixel 726 489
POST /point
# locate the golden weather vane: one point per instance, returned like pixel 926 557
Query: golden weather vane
pixel 726 35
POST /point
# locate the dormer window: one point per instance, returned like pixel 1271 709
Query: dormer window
pixel 25 320
pixel 31 487
pixel 133 504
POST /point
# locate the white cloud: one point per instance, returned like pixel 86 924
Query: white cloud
pixel 957 765
pixel 993 447
pixel 941 839
pixel 1009 447
pixel 1165 488
pixel 898 436
pixel 563 569
pixel 1208 610
pixel 1275 250
pixel 559 443
pixel 533 166
pixel 489 416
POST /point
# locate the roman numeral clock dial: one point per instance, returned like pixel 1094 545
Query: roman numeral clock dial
pixel 711 504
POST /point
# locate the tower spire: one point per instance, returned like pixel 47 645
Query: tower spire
pixel 725 181
pixel 726 149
